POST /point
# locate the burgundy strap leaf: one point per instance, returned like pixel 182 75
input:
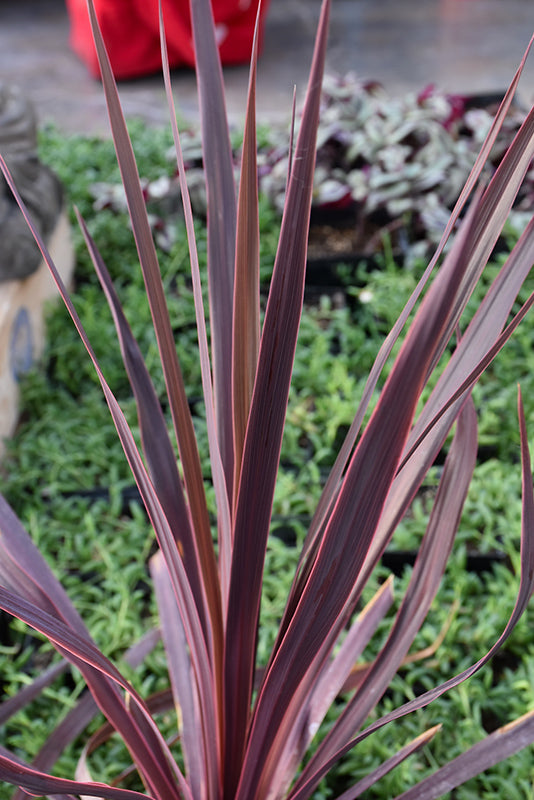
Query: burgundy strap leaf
pixel 183 683
pixel 320 614
pixel 218 474
pixel 221 203
pixel 405 752
pixel 526 588
pixel 159 452
pixel 246 315
pixel 332 485
pixel 499 745
pixel 77 719
pixel 328 685
pixel 473 246
pixel 181 416
pixel 265 426
pixel 39 783
pixel 166 540
pixel 424 583
pixel 480 343
pixel 147 745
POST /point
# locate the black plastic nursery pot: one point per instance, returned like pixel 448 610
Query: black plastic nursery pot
pixel 346 235
pixel 336 262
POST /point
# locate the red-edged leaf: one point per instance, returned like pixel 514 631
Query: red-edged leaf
pixel 333 678
pixel 484 330
pixel 217 585
pixel 39 784
pixel 499 745
pixel 222 214
pixel 322 609
pixel 489 141
pixel 424 583
pixel 405 752
pixel 327 686
pixel 480 343
pixel 181 416
pixel 182 681
pixel 478 347
pixel 160 455
pixel 158 703
pixel 246 316
pixel 330 491
pixel 488 220
pixel 526 588
pixel 192 625
pixel 23 569
pixel 335 478
pixel 217 467
pixel 473 246
pixel 291 138
pixel 144 741
pixel 491 214
pixel 265 428
pixel 78 718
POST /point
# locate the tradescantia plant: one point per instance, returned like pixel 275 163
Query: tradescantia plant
pixel 398 163
pixel 245 732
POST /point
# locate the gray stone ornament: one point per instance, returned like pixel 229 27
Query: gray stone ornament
pixel 39 188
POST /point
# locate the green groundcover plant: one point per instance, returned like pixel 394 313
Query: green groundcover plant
pixel 248 732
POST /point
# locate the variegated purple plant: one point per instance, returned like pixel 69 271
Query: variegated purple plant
pixel 396 165
pixel 245 732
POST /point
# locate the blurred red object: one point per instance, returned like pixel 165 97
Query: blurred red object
pixel 131 32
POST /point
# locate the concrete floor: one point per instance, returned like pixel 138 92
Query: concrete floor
pixel 460 45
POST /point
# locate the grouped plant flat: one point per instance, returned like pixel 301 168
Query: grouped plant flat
pixel 245 730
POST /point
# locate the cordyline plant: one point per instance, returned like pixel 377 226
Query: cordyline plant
pixel 245 731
